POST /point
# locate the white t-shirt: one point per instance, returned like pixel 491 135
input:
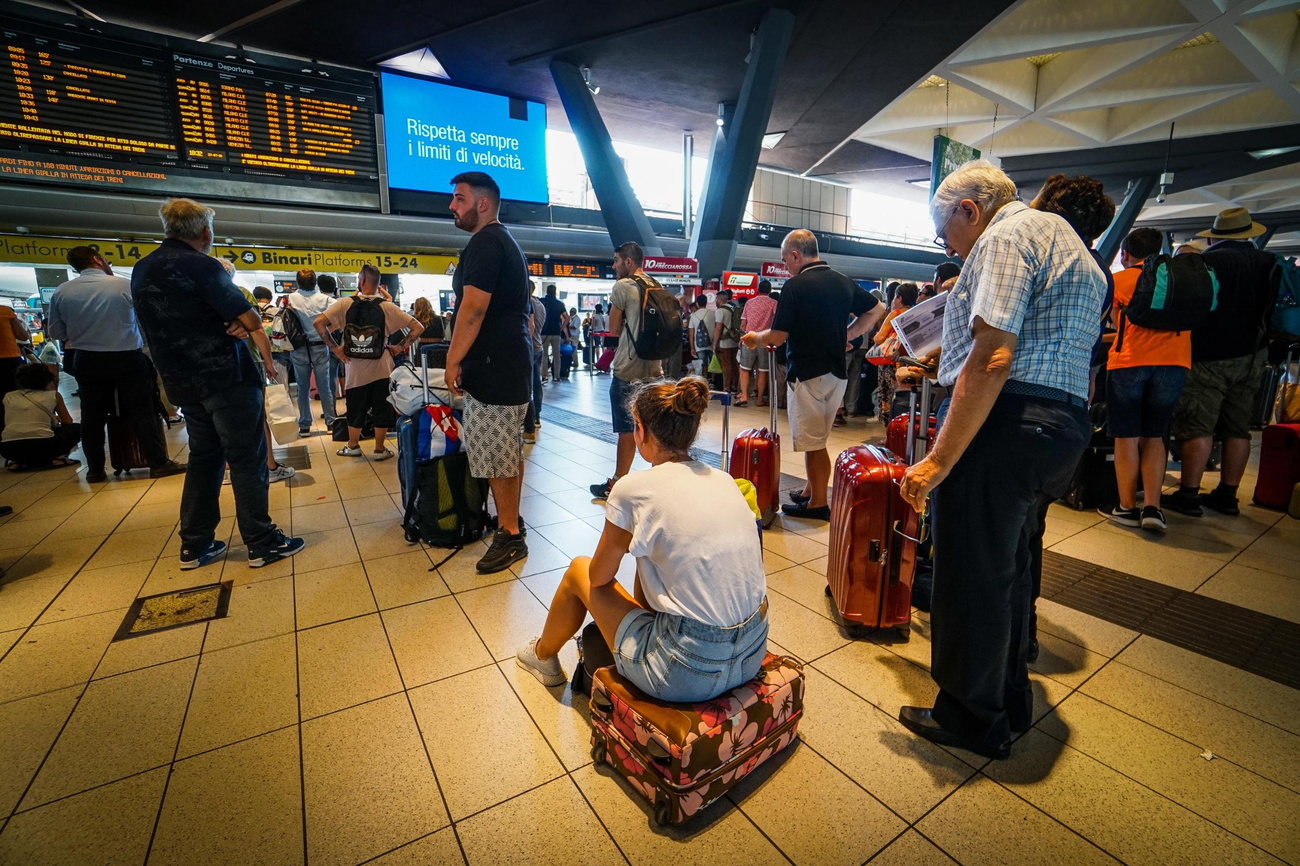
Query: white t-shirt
pixel 704 316
pixel 29 415
pixel 309 305
pixel 695 540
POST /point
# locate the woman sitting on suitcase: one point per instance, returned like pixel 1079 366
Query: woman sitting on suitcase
pixel 698 624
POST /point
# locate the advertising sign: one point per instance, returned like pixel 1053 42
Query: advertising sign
pixel 775 271
pixel 741 285
pixel 948 156
pixel 670 266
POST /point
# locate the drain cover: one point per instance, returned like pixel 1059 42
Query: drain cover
pixel 172 609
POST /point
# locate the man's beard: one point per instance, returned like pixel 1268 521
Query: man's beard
pixel 467 222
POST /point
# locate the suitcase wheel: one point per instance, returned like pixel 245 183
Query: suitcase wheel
pixel 828 591
pixel 663 813
pixel 903 633
pixel 598 751
pixel 857 631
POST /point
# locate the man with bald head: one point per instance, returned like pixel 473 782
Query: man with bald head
pixel 814 315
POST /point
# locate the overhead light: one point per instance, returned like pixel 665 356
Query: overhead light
pixel 770 140
pixel 722 111
pixel 586 76
pixel 421 61
pixel 1272 151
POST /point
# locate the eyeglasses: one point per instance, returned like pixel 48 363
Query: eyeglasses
pixel 939 240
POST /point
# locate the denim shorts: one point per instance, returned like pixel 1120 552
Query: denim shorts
pixel 622 416
pixel 675 658
pixel 1140 401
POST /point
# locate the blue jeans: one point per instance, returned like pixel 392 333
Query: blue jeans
pixel 535 404
pixel 226 429
pixel 675 658
pixel 335 387
pixel 621 415
pixel 313 357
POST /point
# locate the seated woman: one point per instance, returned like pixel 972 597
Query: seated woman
pixel 38 430
pixel 698 624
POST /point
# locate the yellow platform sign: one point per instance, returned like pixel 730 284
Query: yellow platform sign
pixel 33 250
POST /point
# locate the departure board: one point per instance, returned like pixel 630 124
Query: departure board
pixel 80 107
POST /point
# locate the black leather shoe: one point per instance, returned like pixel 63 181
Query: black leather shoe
pixel 919 721
pixel 806 511
pixel 1032 655
pixel 94 476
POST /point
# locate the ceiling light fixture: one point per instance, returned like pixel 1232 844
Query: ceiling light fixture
pixel 421 61
pixel 772 139
pixel 1271 152
pixel 721 119
pixel 586 76
pixel 1166 176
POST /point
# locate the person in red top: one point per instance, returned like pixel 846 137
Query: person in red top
pixel 757 315
pixel 1145 373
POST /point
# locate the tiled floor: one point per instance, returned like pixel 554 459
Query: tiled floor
pixel 358 706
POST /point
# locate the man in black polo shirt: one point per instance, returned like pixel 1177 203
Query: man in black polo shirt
pixel 813 313
pixel 490 357
pixel 194 319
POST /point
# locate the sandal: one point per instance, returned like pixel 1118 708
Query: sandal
pixel 60 462
pixel 386 454
pixel 349 451
pixel 739 403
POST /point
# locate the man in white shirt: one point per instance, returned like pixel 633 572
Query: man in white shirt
pixel 701 329
pixel 308 302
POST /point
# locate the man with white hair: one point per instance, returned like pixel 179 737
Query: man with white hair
pixel 195 321
pixel 1017 340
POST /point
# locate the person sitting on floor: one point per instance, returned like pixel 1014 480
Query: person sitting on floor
pixel 697 625
pixel 38 430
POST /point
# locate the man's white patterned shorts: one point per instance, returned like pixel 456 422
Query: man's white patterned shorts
pixel 492 438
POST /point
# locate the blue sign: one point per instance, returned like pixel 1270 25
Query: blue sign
pixel 434 131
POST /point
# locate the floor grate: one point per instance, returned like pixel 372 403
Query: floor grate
pixel 297 456
pixel 168 610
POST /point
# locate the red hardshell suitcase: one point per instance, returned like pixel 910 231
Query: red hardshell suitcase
pixel 896 434
pixel 1279 465
pixel 756 457
pixel 124 452
pixel 873 540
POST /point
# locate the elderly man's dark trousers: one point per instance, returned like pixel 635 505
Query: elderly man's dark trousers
pixel 985 516
pixel 113 382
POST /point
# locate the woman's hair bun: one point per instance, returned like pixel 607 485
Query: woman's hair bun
pixel 690 396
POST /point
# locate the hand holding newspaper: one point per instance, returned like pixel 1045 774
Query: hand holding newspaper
pixel 920 329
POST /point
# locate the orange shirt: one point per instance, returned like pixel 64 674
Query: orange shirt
pixel 1144 347
pixel 8 343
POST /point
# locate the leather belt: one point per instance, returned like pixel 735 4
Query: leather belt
pixel 1043 392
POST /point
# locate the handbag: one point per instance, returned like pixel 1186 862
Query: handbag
pixel 280 414
pixel 605 361
pixel 1288 397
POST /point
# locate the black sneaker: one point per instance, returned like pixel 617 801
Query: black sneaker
pixel 504 550
pixel 1216 501
pixel 1153 519
pixel 1122 516
pixel 1183 503
pixel 197 558
pixel 94 476
pixel 806 511
pixel 280 547
pixel 171 467
pixel 601 491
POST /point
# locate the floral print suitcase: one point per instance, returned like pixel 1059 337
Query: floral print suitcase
pixel 682 757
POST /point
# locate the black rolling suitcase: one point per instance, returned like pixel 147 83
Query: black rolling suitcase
pixel 124 452
pixel 1093 484
pixel 1266 397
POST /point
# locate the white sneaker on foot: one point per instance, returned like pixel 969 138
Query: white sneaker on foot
pixel 548 673
pixel 280 473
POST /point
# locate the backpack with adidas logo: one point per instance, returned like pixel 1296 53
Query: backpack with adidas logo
pixel 660 334
pixel 1173 293
pixel 364 334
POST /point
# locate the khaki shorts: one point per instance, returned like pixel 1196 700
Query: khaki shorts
pixel 812 406
pixel 492 438
pixel 1219 398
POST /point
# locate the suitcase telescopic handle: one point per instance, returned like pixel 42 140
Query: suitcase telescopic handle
pixel 424 376
pixel 898 530
pixel 771 378
pixel 725 399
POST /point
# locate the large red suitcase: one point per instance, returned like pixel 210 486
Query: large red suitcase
pixel 1279 465
pixel 873 541
pixel 756 457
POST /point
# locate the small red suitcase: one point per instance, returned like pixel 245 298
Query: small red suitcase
pixel 1279 465
pixel 873 541
pixel 896 431
pixel 756 457
pixel 124 452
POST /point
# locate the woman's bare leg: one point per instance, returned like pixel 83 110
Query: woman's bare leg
pixel 574 598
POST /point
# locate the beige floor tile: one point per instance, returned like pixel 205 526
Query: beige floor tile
pixel 373 509
pixel 1184 562
pixel 89 522
pixel 22 601
pixel 1082 629
pixel 574 537
pixel 813 812
pixel 254 786
pixel 459 572
pixel 1258 746
pixel 1251 694
pixel 816 530
pixel 1218 790
pixel 368 784
pixel 343 664
pixel 122 725
pixel 139 545
pixel 166 515
pixel 542 556
pixel 109 825
pixel 1065 662
pixel 772 563
pixel 57 558
pixel 50 509
pixel 312 486
pixel 1123 818
pixel 506 616
pixel 9 638
pixel 539 511
pixel 53 656
pixel 912 849
pixel 806 634
pixel 433 640
pixel 257 610
pixel 320 517
pixel 543 481
pixel 550 824
pixel 1251 588
pixel 242 692
pixel 332 594
pixel 563 716
pixel 151 649
pixel 1286 566
pixel 805 586
pixel 1282 541
pixel 481 758
pixel 544 585
pixel 97 590
pixel 361 486
pixel 326 550
pixel 31 726
pixel 985 823
pixel 906 773
pixel 436 849
pixel 404 579
pixel 380 540
pixel 793 546
pixel 879 676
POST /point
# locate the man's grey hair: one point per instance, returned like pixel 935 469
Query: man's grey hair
pixel 801 241
pixel 978 180
pixel 185 218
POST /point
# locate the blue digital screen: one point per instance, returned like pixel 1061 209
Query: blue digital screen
pixel 434 131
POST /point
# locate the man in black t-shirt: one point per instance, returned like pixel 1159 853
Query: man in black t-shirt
pixel 553 331
pixel 814 315
pixel 490 357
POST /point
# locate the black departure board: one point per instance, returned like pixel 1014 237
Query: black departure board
pixel 82 107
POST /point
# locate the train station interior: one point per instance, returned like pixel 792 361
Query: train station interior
pixel 360 702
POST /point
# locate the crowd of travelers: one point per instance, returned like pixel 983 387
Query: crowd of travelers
pixel 1033 318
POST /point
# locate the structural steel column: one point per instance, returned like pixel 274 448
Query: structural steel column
pixel 1262 240
pixel 624 217
pixel 1125 216
pixel 736 147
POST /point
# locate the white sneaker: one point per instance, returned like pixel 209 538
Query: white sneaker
pixel 548 673
pixel 280 473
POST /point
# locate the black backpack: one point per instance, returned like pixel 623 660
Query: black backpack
pixel 446 505
pixel 1173 293
pixel 364 335
pixel 291 322
pixel 660 335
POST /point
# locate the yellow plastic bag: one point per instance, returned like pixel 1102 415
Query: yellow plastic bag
pixel 750 492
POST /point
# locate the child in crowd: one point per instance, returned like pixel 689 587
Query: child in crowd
pixel 38 431
pixel 697 624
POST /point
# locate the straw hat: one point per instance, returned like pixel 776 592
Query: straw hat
pixel 1233 223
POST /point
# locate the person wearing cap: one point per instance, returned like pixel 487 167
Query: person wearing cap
pixel 1228 357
